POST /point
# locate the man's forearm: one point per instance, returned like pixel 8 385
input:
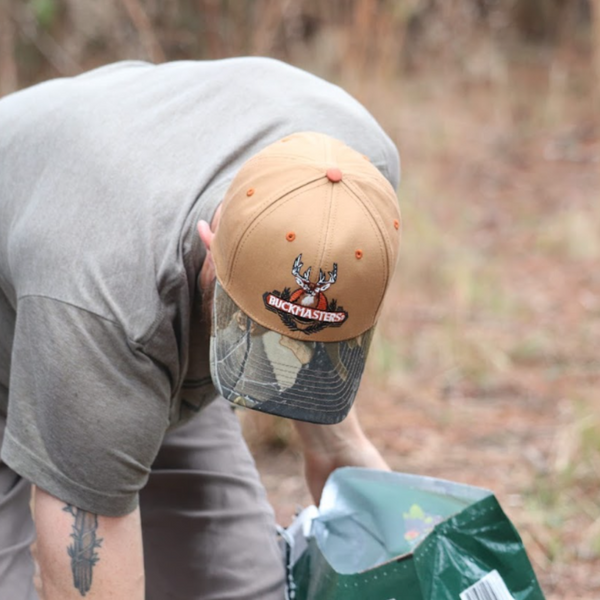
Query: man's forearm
pixel 329 447
pixel 84 554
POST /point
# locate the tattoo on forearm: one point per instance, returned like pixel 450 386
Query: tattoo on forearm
pixel 83 549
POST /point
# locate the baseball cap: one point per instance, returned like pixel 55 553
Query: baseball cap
pixel 305 249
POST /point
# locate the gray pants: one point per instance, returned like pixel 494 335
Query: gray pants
pixel 209 532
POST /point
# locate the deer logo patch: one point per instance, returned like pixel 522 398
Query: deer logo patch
pixel 307 309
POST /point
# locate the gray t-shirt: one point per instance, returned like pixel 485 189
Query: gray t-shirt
pixel 102 180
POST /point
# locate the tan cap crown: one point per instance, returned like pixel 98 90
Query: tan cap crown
pixel 308 239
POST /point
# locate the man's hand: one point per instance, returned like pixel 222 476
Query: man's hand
pixel 329 447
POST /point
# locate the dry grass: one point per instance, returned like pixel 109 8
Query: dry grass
pixel 486 365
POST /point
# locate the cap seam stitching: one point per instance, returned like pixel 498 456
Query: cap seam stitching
pixel 325 228
pixel 262 214
pixel 362 203
pixel 330 159
pixel 261 209
pixel 331 225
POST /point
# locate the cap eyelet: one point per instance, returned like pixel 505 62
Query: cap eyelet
pixel 250 192
pixel 358 254
pixel 396 224
pixel 290 236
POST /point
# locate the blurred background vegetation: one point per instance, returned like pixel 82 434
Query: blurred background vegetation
pixel 44 38
pixel 487 360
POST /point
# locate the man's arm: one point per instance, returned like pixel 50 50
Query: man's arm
pixel 83 554
pixel 328 447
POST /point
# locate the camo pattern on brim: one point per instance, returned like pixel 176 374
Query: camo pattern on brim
pixel 264 370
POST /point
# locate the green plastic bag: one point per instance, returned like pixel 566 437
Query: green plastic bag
pixel 390 536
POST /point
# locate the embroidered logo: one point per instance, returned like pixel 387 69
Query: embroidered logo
pixel 307 309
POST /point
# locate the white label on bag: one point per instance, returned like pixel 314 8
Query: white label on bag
pixel 490 587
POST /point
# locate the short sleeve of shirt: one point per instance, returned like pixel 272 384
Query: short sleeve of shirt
pixel 88 409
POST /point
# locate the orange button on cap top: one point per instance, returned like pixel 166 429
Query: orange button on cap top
pixel 334 175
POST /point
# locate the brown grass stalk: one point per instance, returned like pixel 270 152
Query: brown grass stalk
pixel 595 5
pixel 8 69
pixel 143 25
pixel 266 27
pixel 51 49
pixel 212 13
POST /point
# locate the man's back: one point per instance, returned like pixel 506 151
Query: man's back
pixel 102 173
pixel 103 179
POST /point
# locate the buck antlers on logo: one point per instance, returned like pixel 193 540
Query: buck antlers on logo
pixel 311 294
pixel 307 309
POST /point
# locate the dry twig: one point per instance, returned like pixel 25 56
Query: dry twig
pixel 8 68
pixel 143 25
pixel 48 47
pixel 595 5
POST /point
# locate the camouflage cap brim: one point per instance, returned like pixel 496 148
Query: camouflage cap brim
pixel 264 370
